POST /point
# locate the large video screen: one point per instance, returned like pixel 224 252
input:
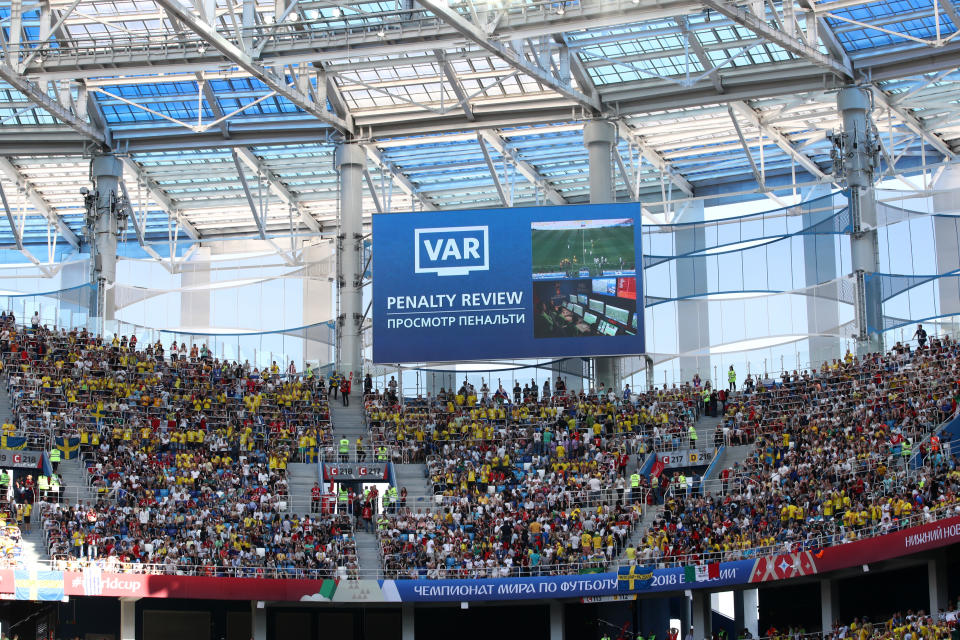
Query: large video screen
pixel 620 315
pixel 605 286
pixel 477 285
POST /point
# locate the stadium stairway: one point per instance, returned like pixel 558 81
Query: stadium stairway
pixel 414 478
pixel 300 479
pixel 33 547
pixel 636 538
pixel 6 410
pixel 728 457
pixel 706 426
pixel 75 488
pixel 349 422
pixel 368 554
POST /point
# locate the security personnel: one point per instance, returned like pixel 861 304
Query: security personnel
pixel 43 484
pixel 732 378
pixel 55 458
pixel 343 499
pixel 55 487
pixel 4 481
pixel 390 498
pixel 344 449
pixel 381 454
pixel 634 486
pixel 682 482
pixel 907 450
pixel 693 437
pixel 705 400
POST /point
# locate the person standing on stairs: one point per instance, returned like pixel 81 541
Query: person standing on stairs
pixel 334 384
pixel 345 390
pixel 315 495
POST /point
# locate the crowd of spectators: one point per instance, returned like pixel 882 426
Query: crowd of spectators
pixel 186 454
pixel 524 482
pixel 537 482
pixel 187 457
pixel 838 453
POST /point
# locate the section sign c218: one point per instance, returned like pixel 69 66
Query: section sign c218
pixel 526 282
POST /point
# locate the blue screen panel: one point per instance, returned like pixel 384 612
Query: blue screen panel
pixel 477 285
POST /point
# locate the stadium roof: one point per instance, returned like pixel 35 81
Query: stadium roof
pixel 226 111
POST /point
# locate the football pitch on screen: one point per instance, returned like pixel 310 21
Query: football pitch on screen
pixel 573 249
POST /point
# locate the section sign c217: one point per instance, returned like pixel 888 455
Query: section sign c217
pixel 526 282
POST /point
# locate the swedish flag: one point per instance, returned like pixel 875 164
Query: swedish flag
pixel 13 442
pixel 310 454
pixel 33 584
pixel 69 447
pixel 634 578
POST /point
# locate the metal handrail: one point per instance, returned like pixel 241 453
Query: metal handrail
pixel 568 568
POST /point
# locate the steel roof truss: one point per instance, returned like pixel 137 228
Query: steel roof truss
pixel 911 122
pixel 655 158
pixel 454 82
pixel 59 111
pixel 236 55
pixel 277 186
pixel 39 203
pixel 756 21
pixel 515 57
pixel 160 197
pixel 505 200
pixel 778 139
pixel 524 168
pixel 405 184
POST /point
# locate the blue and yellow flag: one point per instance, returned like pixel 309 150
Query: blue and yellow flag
pixel 13 442
pixel 32 584
pixel 634 578
pixel 310 454
pixel 69 447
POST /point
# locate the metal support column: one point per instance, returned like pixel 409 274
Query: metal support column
pixel 855 159
pixel 407 620
pixel 828 606
pixel 258 621
pixel 128 618
pixel 937 573
pixel 746 611
pixel 105 219
pixel 702 619
pixel 557 627
pixel 599 137
pixel 351 160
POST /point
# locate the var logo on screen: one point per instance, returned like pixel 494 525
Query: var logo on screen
pixel 452 251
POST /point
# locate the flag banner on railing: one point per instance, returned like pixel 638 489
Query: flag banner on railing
pixel 635 578
pixel 69 447
pixel 42 584
pixel 14 443
pixel 33 584
pixel 310 454
pixel 658 466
